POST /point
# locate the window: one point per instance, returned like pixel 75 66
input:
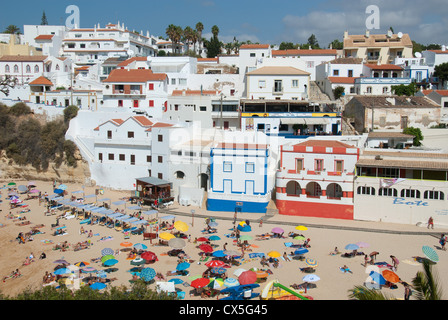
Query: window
pixel 202 108
pixel 151 103
pixel 109 134
pixel 350 73
pixel 71 46
pixel 16 69
pixel 57 67
pixel 366 190
pixel 111 156
pixel 148 158
pixel 278 86
pixel 7 69
pixel 28 68
pixel 121 157
pixel 369 89
pixel 318 165
pixel 335 73
pixel 160 175
pixel 250 167
pixel 100 157
pixel 179 175
pixel 338 165
pixel 182 82
pixel 387 192
pixel 120 103
pixel 227 166
pixel 132 159
pixel 385 89
pixel 130 134
pixel 160 159
pixel 173 81
pixel 82 45
pixel 295 83
pixel 410 193
pixel 151 86
pixel 434 195
pixel 262 83
pixel 252 54
pixel 160 138
pixel 299 165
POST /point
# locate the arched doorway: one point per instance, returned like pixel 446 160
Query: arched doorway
pixel 334 191
pixel 313 190
pixel 293 189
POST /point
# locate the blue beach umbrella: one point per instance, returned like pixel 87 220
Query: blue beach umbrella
pixel 140 246
pixel 58 191
pixel 430 253
pixel 110 262
pixel 244 228
pixel 219 270
pixel 219 254
pixel 377 277
pixel 61 271
pixel 214 238
pixel 63 187
pixel 301 251
pixel 98 286
pixel 351 246
pixel 176 281
pixel 231 282
pixel 182 266
pixel 147 274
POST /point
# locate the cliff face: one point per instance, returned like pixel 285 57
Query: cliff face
pixel 10 171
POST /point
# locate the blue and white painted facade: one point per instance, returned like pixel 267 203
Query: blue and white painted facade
pixel 239 178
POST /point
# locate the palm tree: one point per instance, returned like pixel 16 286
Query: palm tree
pixel 188 35
pixel 426 286
pixel 174 33
pixel 215 31
pixel 12 29
pixel 199 27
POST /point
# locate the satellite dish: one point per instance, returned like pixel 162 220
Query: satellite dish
pixel 418 55
pixel 130 53
pixel 400 35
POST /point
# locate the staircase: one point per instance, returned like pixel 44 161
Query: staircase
pixel 316 94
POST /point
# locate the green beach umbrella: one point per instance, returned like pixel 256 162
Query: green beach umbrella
pixel 430 253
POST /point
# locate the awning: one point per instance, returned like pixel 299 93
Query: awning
pixel 154 181
pixel 310 121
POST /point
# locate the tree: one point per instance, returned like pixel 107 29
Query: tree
pixel 70 112
pixel 6 83
pixel 312 41
pixel 441 71
pixel 404 90
pixel 287 46
pixel 215 31
pixel 12 29
pixel 199 27
pixel 417 133
pixel 174 33
pixel 338 92
pixel 336 44
pixel 188 35
pixel 44 21
pixel 214 45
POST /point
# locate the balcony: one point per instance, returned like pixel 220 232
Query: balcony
pixel 277 90
pixel 391 81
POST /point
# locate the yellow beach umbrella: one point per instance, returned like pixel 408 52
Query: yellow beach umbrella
pixel 166 236
pixel 181 226
pixel 274 254
pixel 303 228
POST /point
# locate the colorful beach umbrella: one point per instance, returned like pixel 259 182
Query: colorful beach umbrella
pixel 61 261
pixel 274 254
pixel 176 281
pixel 126 244
pixel 390 276
pixel 310 278
pixel 140 246
pixel 147 274
pixel 182 266
pixel 216 283
pixel 299 238
pixel 430 253
pixel 247 277
pixel 244 227
pixel 301 251
pixel 377 277
pixel 311 262
pixel 107 257
pixel 61 271
pixel 219 253
pixel 245 237
pixel 58 191
pixel 261 274
pixel 277 230
pixel 63 187
pixel 166 236
pixel 218 270
pixel 215 263
pixel 301 228
pixel 107 251
pixel 200 282
pixel 82 263
pixel 202 239
pixel 351 246
pixel 149 255
pixel 231 282
pixel 110 262
pixel 362 244
pixel 88 269
pixel 181 226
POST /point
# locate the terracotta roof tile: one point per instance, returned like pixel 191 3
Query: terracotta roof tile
pixel 325 143
pixel 44 37
pixel 22 58
pixel 303 52
pixel 134 75
pixel 129 61
pixel 350 80
pixel 41 81
pixel 254 46
pixel 278 70
pixel 383 67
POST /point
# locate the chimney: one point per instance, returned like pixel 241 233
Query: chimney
pixel 443 47
pixel 345 34
pixel 367 33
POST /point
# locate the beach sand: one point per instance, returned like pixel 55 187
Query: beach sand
pixel 325 235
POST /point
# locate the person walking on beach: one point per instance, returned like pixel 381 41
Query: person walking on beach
pixel 395 262
pixel 407 291
pixel 442 241
pixel 431 223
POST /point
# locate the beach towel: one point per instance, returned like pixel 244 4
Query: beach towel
pixel 345 270
pixel 288 244
pixel 256 255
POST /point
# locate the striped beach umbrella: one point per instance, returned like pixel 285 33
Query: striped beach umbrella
pixel 311 262
pixel 430 253
pixel 231 282
pixel 107 251
pixel 140 246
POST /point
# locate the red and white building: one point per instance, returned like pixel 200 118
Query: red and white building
pixel 315 179
pixel 137 89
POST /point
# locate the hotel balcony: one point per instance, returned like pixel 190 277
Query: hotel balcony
pixel 315 175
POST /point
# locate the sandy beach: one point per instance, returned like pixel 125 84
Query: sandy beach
pixel 402 241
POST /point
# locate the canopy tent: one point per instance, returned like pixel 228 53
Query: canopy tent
pixel 309 121
pixel 149 189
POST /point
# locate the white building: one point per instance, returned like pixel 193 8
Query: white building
pixel 48 39
pixel 401 187
pixel 252 55
pixel 24 68
pixel 136 89
pixel 379 79
pixel 88 46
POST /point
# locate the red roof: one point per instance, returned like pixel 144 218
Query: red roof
pixel 254 46
pixel 383 67
pixel 44 37
pixel 324 143
pixel 342 79
pixel 439 51
pixel 134 75
pixel 142 120
pixel 162 124
pixel 303 52
pixel 41 81
pixel 129 61
pixel 208 59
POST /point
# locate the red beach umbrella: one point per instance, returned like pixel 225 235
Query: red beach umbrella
pixel 215 264
pixel 148 255
pixel 247 277
pixel 206 247
pixel 202 239
pixel 200 282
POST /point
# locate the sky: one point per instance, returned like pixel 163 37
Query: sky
pixel 263 21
